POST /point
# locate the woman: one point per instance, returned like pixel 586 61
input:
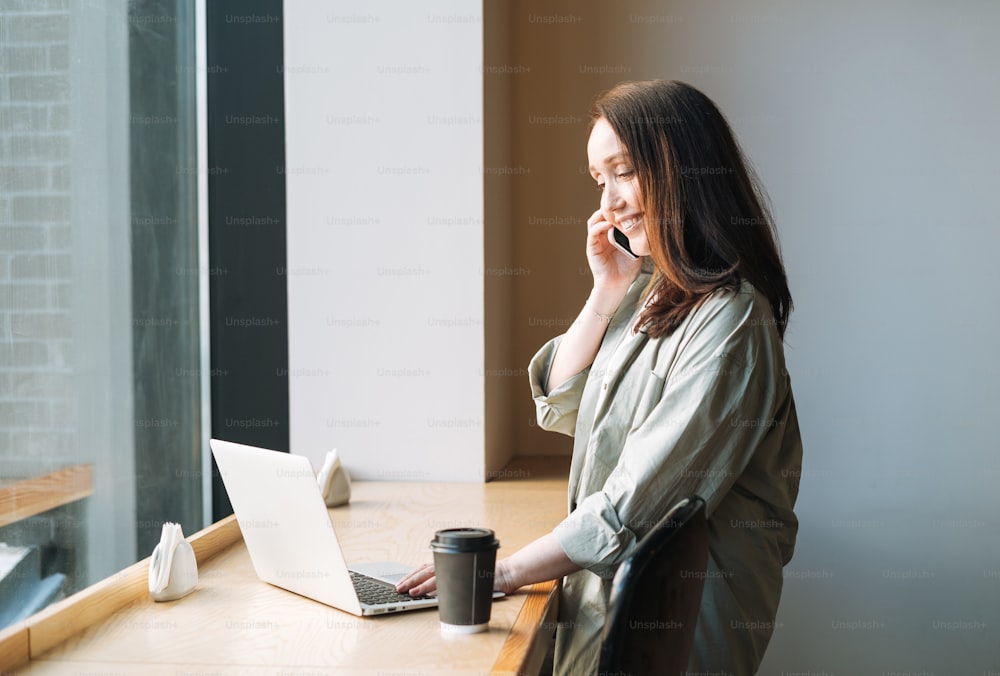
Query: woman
pixel 671 381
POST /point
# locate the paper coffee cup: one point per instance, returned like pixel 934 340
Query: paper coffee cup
pixel 464 562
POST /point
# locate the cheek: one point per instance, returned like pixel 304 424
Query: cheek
pixel 635 193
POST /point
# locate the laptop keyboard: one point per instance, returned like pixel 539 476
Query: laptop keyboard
pixel 376 592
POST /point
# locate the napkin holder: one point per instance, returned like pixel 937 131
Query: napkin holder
pixel 173 570
pixel 334 481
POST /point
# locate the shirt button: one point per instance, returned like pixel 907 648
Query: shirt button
pixel 605 387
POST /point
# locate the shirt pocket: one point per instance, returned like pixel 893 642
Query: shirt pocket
pixel 633 401
pixel 650 397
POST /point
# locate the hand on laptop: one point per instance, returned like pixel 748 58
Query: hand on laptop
pixel 422 580
pixel 541 560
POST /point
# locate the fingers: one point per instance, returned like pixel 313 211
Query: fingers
pixel 597 228
pixel 420 581
pixel 427 587
pixel 599 249
pixel 597 224
pixel 415 577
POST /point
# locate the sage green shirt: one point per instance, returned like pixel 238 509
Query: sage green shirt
pixel 706 411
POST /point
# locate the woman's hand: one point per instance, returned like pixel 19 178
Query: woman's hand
pixel 613 271
pixel 422 580
pixel 541 560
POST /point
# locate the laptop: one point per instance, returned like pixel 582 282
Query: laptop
pixel 290 538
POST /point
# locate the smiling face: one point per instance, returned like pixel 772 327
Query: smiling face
pixel 621 201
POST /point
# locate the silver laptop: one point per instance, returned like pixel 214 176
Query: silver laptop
pixel 291 540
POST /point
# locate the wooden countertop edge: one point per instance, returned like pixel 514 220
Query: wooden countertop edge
pixel 14 649
pixel 213 540
pixel 515 658
pixel 55 624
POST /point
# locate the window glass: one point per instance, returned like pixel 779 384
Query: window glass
pixel 100 399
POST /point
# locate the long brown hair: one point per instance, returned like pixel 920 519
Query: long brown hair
pixel 706 217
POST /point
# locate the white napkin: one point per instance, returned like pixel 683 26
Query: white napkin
pixel 173 570
pixel 334 481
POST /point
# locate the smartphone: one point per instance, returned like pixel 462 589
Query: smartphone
pixel 620 241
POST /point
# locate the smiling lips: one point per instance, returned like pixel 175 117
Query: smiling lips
pixel 629 224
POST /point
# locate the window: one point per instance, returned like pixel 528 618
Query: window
pixel 101 364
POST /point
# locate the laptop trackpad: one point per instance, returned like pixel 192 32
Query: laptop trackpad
pixel 387 571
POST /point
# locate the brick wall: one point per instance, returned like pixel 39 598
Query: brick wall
pixel 37 416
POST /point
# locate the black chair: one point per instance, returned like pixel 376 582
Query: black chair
pixel 656 596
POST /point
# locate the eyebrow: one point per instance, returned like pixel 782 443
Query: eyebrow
pixel 611 158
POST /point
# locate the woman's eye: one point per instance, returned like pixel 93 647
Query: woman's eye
pixel 626 174
pixel 600 187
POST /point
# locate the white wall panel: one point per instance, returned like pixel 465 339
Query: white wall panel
pixel 384 154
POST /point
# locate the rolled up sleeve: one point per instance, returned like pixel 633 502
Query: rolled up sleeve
pixel 593 536
pixel 556 410
pixel 697 440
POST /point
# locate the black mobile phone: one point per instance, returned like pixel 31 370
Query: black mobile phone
pixel 620 242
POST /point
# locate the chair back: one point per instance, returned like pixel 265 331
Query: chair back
pixel 656 596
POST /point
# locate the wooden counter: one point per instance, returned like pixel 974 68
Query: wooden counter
pixel 22 498
pixel 233 623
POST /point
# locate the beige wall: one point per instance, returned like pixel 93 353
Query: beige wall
pixel 502 376
pixel 562 57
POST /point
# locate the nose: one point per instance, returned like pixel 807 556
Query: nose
pixel 611 201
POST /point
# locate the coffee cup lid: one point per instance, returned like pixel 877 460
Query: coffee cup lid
pixel 464 540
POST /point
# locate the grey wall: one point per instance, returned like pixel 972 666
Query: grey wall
pixel 874 129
